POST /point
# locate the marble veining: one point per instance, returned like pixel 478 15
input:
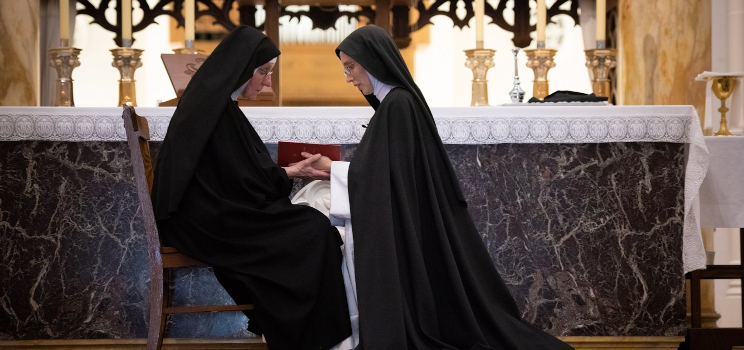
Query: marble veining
pixel 587 236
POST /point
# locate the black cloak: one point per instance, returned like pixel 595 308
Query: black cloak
pixel 219 198
pixel 424 277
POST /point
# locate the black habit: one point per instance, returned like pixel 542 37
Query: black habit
pixel 219 198
pixel 424 277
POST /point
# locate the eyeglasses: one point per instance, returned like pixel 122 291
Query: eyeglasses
pixel 264 72
pixel 347 69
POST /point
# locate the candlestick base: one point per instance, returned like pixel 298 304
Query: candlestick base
pixel 187 51
pixel 540 60
pixel 127 60
pixel 64 60
pixel 479 60
pixel 599 62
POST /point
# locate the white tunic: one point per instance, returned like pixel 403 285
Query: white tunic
pixel 340 214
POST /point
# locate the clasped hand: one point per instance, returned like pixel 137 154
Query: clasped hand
pixel 313 167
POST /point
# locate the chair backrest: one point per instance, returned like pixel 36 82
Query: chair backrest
pixel 142 130
pixel 137 136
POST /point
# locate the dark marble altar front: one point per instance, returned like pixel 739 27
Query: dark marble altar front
pixel 587 236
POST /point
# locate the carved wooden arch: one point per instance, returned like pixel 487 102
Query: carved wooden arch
pixel 325 13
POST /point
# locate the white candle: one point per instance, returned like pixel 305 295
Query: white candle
pixel 126 19
pixel 479 11
pixel 64 19
pixel 541 20
pixel 601 14
pixel 189 7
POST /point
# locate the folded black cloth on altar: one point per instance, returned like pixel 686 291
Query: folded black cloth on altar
pixel 569 96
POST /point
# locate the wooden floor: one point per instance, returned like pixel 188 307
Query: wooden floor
pixel 580 343
pixel 128 344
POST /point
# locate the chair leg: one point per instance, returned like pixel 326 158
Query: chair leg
pixel 741 251
pixel 166 303
pixel 154 332
pixel 695 300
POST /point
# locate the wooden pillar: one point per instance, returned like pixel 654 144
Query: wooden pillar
pixel 401 30
pixel 247 14
pixel 382 14
pixel 273 10
pixel 19 53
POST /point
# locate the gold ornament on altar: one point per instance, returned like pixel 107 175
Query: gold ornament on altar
pixel 127 60
pixel 479 60
pixel 723 87
pixel 64 59
pixel 540 60
pixel 599 62
pixel 189 49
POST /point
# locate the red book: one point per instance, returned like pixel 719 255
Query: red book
pixel 291 152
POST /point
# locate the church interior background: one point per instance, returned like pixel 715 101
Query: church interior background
pixel 435 57
pixel 662 46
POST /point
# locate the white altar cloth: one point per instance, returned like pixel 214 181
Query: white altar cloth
pixel 722 191
pixel 466 125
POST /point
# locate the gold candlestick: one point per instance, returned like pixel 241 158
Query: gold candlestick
pixel 540 60
pixel 722 88
pixel 127 60
pixel 64 60
pixel 599 62
pixel 479 60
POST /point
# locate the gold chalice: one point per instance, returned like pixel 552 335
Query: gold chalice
pixel 723 87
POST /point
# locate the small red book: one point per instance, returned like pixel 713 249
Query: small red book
pixel 291 152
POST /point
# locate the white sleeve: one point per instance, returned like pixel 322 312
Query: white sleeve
pixel 340 209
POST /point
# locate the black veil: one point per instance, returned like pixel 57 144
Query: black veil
pixel 206 97
pixel 425 279
pixel 221 199
pixel 374 49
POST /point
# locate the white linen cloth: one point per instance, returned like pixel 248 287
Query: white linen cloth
pixel 722 193
pixel 340 214
pixel 316 194
pixel 735 103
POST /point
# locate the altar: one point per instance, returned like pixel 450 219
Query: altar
pixel 586 212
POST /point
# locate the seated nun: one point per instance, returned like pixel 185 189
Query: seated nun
pixel 219 198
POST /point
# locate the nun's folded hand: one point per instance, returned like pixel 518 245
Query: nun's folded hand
pixel 323 163
pixel 304 169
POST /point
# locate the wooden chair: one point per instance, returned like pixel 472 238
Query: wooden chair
pixel 699 338
pixel 161 258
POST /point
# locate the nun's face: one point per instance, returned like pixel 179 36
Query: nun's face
pixel 261 78
pixel 356 74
